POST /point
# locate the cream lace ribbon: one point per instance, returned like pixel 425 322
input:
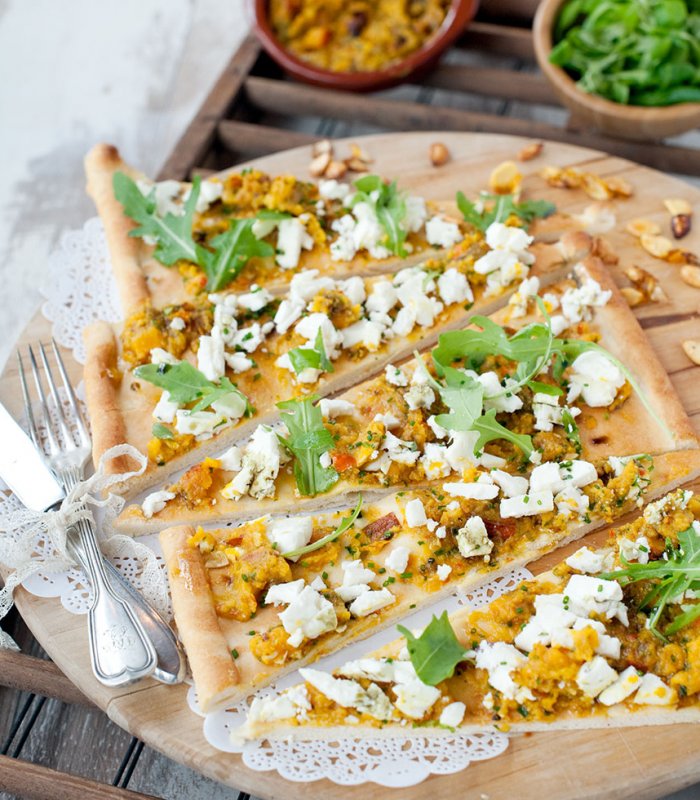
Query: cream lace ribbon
pixel 19 551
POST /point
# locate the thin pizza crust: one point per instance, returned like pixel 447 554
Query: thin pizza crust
pixel 627 430
pixel 670 471
pixel 130 402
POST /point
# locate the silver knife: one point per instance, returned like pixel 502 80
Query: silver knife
pixel 26 473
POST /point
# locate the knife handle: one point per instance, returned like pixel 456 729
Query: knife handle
pixel 120 649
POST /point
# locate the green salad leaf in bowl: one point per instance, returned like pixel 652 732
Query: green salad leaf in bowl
pixel 635 52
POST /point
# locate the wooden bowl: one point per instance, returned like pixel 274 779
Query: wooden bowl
pixel 458 17
pixel 615 119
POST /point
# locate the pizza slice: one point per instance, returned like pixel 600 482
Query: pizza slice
pixel 584 384
pixel 255 601
pixel 181 381
pixel 609 637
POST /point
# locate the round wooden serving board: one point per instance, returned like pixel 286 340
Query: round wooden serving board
pixel 632 762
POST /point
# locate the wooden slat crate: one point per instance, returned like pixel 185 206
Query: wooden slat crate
pixel 253 110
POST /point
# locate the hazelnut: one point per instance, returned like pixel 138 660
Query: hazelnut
pixel 439 154
pixel 530 151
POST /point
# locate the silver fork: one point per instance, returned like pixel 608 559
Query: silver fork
pixel 120 650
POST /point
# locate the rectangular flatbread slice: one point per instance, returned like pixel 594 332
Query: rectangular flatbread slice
pixel 390 432
pixel 179 381
pixel 286 591
pixel 589 644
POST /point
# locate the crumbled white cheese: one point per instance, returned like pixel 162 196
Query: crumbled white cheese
pixel 332 408
pixel 389 421
pixel 434 461
pixel 500 659
pixel 371 601
pixel 255 300
pixel 587 595
pixel 350 694
pixel 441 232
pixel 260 465
pixel 415 698
pixel 637 550
pixel 292 237
pixel 210 357
pixel 288 534
pixel 482 489
pixel 511 485
pixel 443 571
pixel 231 459
pixel 519 300
pixel 282 594
pixel 527 505
pixel 395 376
pixel 165 409
pixel 414 513
pixel 623 686
pixel 178 324
pixel 382 298
pixel 473 538
pixel 595 378
pixel 419 396
pixel 595 675
pixel 155 502
pixel 198 423
pixel 294 703
pixel 363 333
pixel 160 356
pixel 576 302
pixel 654 692
pixel 655 512
pixel 454 287
pixel 308 616
pixel 397 560
pixel 333 190
pixel 587 560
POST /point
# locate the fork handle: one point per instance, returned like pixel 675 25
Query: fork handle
pixel 120 649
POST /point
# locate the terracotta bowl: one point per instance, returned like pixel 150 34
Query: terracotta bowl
pixel 459 15
pixel 615 119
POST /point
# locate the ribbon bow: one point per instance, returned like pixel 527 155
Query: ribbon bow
pixel 35 541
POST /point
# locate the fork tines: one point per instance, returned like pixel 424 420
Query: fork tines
pixel 63 423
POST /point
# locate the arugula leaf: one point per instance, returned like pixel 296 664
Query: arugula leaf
pixel 533 346
pixel 545 388
pixel 161 431
pixel 389 205
pixel 345 524
pixel 436 652
pixel 303 358
pixel 172 232
pixel 186 384
pixel 671 576
pixel 232 251
pixel 489 429
pixel 498 207
pixel 308 440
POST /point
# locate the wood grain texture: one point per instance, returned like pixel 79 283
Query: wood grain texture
pixel 606 764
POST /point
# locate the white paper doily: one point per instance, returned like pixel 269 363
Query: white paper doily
pixel 392 762
pixel 80 290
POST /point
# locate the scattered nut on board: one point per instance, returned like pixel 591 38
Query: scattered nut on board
pixel 439 154
pixel 324 164
pixel 633 296
pixel 691 275
pixel 530 151
pixel 595 186
pixel 505 178
pixel 642 227
pixel 645 283
pixel 692 350
pixel 655 245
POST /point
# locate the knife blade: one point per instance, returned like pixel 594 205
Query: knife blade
pixel 23 469
pixel 30 478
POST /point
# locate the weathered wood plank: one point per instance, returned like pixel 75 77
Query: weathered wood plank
pixel 199 136
pixel 502 40
pixel 503 83
pixel 294 99
pixel 35 782
pixel 252 140
pixel 31 674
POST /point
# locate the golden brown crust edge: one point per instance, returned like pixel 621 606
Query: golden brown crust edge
pixel 624 334
pixel 101 393
pixel 126 252
pixel 214 671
